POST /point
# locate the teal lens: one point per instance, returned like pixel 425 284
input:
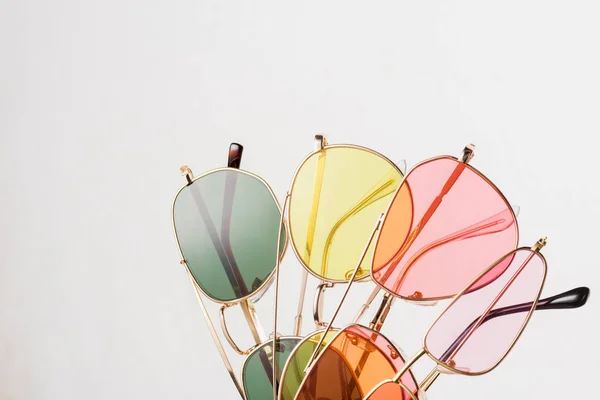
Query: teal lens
pixel 227 224
pixel 257 373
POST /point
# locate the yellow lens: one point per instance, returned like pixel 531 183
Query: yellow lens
pixel 336 198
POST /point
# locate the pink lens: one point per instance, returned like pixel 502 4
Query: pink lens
pixel 391 391
pixel 478 329
pixel 445 224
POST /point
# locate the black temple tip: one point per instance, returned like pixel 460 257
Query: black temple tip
pixel 573 298
pixel 581 295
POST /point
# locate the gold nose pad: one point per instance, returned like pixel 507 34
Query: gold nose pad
pixel 353 339
pixel 349 273
pixel 361 343
pixel 416 295
pixel 393 353
pixel 452 364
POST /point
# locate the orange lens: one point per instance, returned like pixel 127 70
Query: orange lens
pixel 356 361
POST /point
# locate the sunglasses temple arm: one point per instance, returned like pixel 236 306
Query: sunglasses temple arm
pixel 232 276
pixel 460 167
pixel 367 304
pixel 494 224
pixel 234 160
pixel 215 337
pixel 301 298
pixel 383 188
pixel 339 306
pixel 319 143
pixel 408 365
pixel 429 379
pixel 274 381
pixel 258 333
pixel 573 298
pixel 474 326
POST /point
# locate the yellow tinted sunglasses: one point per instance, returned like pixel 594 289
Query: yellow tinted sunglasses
pixel 336 196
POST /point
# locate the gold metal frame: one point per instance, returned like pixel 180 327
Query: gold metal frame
pixel 384 308
pixel 324 148
pixel 315 354
pixel 402 385
pixel 267 281
pixel 257 347
pixel 276 297
pixel 318 303
pixel 466 158
pixel 378 317
pixel 338 333
pixel 215 336
pixel 320 145
pixel 255 326
pixel 244 302
pixel 535 248
pixel 444 368
pixel 287 363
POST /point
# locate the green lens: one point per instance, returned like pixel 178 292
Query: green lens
pixel 227 225
pixel 257 373
pixel 293 374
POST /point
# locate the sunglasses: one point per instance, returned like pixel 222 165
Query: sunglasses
pixel 445 223
pixel 337 193
pixel 470 337
pixel 427 245
pixel 229 261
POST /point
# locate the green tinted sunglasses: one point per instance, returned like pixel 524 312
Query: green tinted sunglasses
pixel 227 225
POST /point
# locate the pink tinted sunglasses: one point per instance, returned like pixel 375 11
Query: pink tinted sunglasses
pixel 484 321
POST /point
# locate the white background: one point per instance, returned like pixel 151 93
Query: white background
pixel 101 102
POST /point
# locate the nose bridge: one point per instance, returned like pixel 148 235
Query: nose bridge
pixel 319 303
pixel 254 325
